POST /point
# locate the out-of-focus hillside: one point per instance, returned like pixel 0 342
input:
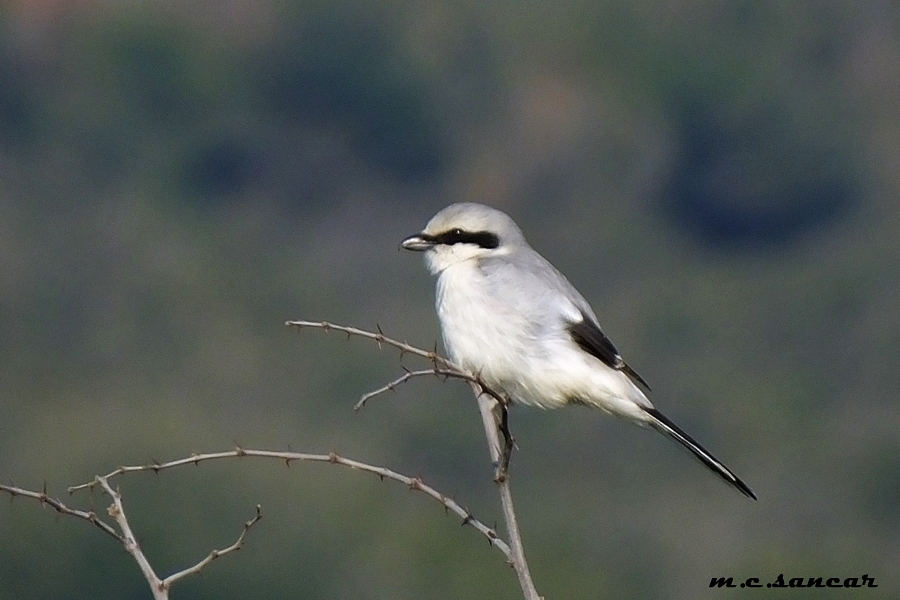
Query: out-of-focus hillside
pixel 720 179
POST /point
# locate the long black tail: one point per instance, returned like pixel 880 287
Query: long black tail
pixel 663 424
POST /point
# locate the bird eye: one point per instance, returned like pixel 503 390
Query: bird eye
pixel 457 235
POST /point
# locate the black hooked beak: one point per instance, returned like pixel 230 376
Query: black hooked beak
pixel 418 242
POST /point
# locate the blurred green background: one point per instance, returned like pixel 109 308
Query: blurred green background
pixel 177 179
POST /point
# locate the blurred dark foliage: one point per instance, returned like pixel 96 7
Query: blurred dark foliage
pixel 17 99
pixel 346 73
pixel 222 168
pixel 757 181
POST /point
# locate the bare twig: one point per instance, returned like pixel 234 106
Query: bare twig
pixel 487 400
pixel 379 338
pixel 42 497
pixel 414 483
pixel 446 373
pixel 237 545
pixel 392 386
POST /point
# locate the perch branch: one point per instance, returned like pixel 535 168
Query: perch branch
pixel 441 366
pixel 486 406
pixel 487 400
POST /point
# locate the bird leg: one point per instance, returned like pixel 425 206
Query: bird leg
pixel 508 442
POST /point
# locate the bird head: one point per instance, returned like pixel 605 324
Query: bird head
pixel 465 231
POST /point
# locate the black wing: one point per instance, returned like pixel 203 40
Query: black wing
pixel 592 340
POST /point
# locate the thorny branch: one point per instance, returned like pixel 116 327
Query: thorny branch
pixel 237 545
pixel 414 483
pixel 88 515
pixel 160 587
pixel 488 399
pixel 441 367
pixel 125 535
pixel 380 339
pixel 392 386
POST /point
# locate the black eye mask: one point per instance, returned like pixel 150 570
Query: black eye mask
pixel 483 239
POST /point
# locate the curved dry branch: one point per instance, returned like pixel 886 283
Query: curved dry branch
pixel 414 483
pixel 160 587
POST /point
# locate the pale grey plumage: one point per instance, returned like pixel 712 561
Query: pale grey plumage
pixel 510 317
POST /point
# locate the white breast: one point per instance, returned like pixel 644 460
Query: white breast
pixel 480 333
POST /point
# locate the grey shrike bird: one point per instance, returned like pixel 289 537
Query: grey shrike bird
pixel 508 316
